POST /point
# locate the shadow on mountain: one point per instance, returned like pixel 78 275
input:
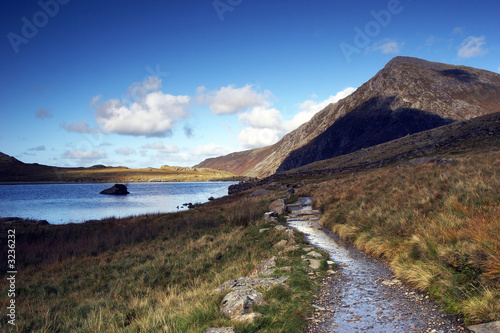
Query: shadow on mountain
pixel 369 124
pixel 459 74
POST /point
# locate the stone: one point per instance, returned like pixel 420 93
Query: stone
pixel 314 263
pixel 493 327
pixel 247 318
pixel 117 189
pixel 263 230
pixel 280 227
pixel 278 206
pixel 246 282
pixel 240 301
pixel 219 330
pixel 291 248
pixel 264 268
pixel 281 243
pixel 271 216
pixel 314 254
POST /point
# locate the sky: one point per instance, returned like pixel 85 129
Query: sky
pixel 173 82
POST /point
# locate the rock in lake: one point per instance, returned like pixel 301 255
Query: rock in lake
pixel 117 189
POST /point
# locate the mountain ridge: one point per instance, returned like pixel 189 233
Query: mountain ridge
pixel 448 91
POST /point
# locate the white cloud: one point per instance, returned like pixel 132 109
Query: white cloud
pixel 266 125
pixel 259 137
pixel 94 101
pixel 457 30
pixel 146 111
pixel 262 117
pixel 80 127
pixel 43 113
pixel 311 107
pixel 498 69
pixel 388 47
pixel 472 46
pixel 160 147
pixel 231 100
pixel 210 149
pixel 39 148
pixel 125 151
pixel 84 154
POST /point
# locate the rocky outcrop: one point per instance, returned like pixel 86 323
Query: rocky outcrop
pixel 237 304
pixel 278 206
pixel 219 330
pixel 246 282
pixel 265 268
pixel 406 89
pixel 486 328
pixel 117 189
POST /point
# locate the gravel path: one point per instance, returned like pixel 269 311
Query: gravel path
pixel 364 296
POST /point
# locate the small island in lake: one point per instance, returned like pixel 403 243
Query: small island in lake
pixel 117 189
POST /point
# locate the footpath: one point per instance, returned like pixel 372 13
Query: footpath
pixel 361 295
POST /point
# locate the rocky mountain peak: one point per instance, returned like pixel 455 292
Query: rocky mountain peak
pixel 405 91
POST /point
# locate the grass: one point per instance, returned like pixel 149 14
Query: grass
pixel 439 227
pixel 151 273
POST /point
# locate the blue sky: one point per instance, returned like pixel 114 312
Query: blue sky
pixel 149 83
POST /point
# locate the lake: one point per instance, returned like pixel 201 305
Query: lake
pixel 65 203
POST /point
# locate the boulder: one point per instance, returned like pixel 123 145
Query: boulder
pixel 219 330
pixel 117 189
pixel 486 328
pixel 240 301
pixel 265 268
pixel 278 206
pixel 314 263
pixel 314 254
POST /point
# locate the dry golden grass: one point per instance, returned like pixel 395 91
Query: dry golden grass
pixel 438 226
pixel 150 273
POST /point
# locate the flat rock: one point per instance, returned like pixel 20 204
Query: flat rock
pixel 219 330
pixel 246 282
pixel 239 302
pixel 281 243
pixel 314 254
pixel 493 327
pixel 314 263
pixel 247 318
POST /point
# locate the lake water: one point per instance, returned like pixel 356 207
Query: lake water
pixel 65 203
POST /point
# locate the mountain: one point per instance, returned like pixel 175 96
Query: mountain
pixel 408 95
pixel 13 170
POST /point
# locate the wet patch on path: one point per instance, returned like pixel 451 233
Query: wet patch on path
pixel 364 296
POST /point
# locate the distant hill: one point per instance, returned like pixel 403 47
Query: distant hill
pixel 13 170
pixel 408 95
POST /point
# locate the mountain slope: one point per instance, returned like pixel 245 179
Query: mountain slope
pixel 404 84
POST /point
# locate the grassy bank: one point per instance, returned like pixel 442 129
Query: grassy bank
pixel 438 226
pixel 150 273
